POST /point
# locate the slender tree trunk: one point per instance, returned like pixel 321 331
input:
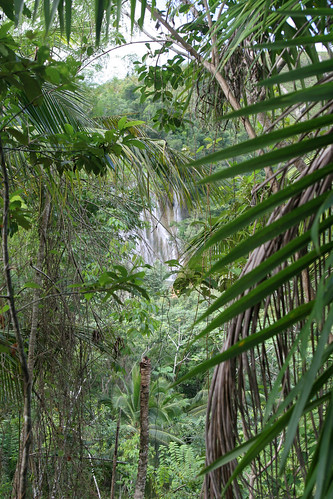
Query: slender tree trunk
pixel 115 454
pixel 145 369
pixel 38 280
pixel 21 482
pixel 43 226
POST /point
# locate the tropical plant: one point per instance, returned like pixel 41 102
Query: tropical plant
pixel 281 302
pixel 47 144
pixel 176 475
pixel 164 407
pixel 265 408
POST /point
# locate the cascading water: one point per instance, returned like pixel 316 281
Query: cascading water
pixel 158 241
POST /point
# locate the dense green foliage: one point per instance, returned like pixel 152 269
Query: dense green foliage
pixel 193 135
pixel 229 119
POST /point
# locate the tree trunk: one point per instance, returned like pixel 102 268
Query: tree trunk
pixel 38 280
pixel 115 454
pixel 35 313
pixel 145 368
pixel 21 481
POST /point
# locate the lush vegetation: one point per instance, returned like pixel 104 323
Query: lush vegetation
pixel 227 117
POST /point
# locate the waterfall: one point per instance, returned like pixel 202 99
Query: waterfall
pixel 158 241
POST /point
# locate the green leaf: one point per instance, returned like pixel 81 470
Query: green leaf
pixel 133 123
pixel 4 347
pixel 136 143
pixel 53 75
pixel 252 341
pixel 266 206
pixel 18 7
pixel 313 12
pixel 315 93
pixel 7 7
pixel 68 18
pixel 132 14
pixel 118 7
pixel 109 7
pixel 296 42
pixel 122 122
pixel 264 140
pixel 54 9
pixel 47 13
pixel 142 291
pixel 4 309
pixel 109 136
pixel 122 270
pixel 43 54
pixel 99 12
pixel 143 11
pixel 22 221
pixel 22 138
pixel 69 129
pixel 3 51
pixel 263 289
pixel 31 87
pixel 61 16
pixel 90 51
pixel 304 72
pixel 173 263
pixel 32 285
pixel 105 278
pixel 272 158
pixel 88 296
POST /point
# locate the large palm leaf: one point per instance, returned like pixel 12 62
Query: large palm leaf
pixel 163 406
pixel 271 392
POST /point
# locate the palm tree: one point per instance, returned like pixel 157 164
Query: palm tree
pixel 164 406
pixel 271 391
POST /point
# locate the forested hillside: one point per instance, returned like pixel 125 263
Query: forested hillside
pixel 165 304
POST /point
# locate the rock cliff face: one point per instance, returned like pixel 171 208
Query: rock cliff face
pixel 158 241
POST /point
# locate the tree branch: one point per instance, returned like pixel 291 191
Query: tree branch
pixel 214 71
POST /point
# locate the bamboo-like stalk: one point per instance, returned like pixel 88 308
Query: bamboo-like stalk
pixel 115 455
pixel 145 369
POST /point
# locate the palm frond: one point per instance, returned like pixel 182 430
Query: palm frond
pixel 277 317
